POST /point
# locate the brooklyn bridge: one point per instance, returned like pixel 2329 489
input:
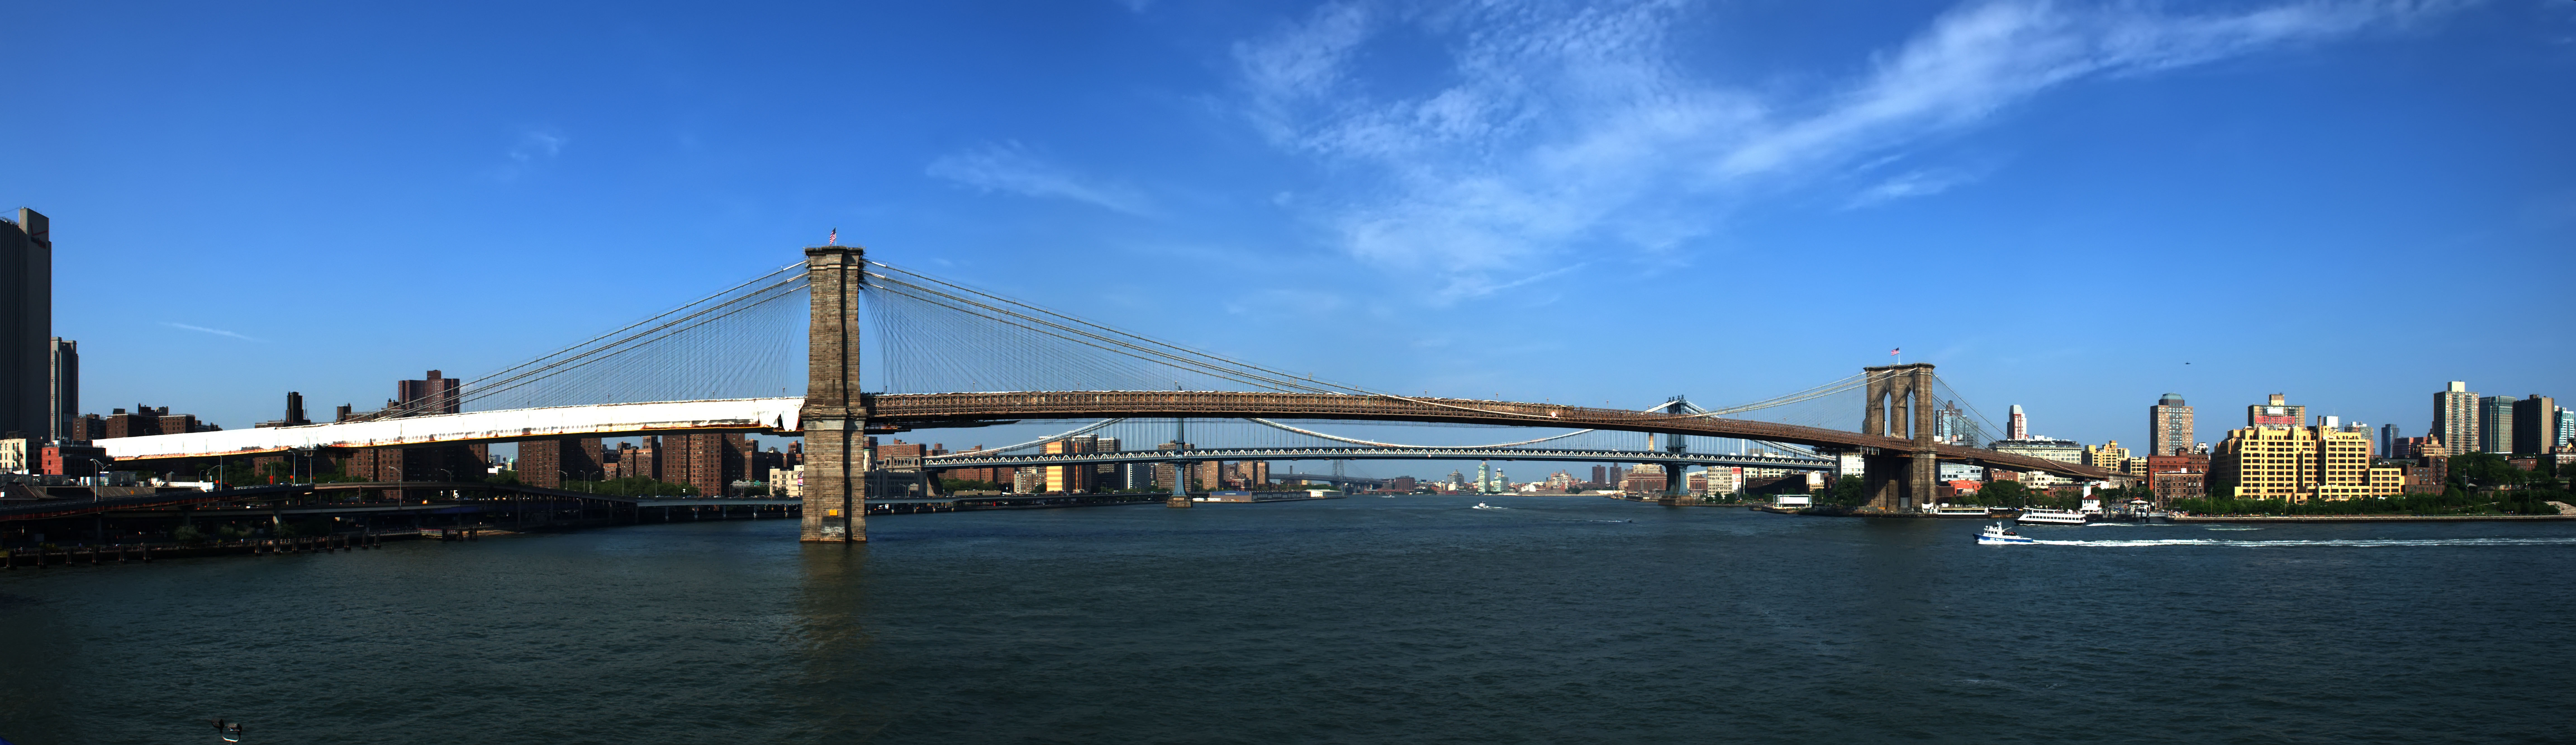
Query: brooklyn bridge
pixel 785 353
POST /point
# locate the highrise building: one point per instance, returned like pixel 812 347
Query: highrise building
pixel 2566 437
pixel 1106 474
pixel 2388 437
pixel 549 462
pixel 2169 426
pixel 2276 413
pixel 62 394
pixel 2535 424
pixel 2018 428
pixel 2455 417
pixel 2495 424
pixel 1951 426
pixel 710 462
pixel 26 322
pixel 1070 479
pixel 1600 474
pixel 2298 464
pixel 436 395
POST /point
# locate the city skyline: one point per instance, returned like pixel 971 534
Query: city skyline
pixel 1206 191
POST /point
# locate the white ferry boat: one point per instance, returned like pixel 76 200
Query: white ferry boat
pixel 1998 534
pixel 2055 517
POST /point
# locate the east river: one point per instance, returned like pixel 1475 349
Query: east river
pixel 1415 619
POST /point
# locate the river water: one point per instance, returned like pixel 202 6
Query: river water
pixel 1416 619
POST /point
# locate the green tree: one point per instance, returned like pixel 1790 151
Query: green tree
pixel 1848 491
pixel 2004 494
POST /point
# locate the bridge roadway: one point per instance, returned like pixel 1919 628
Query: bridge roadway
pixel 926 410
pixel 953 460
pixel 897 412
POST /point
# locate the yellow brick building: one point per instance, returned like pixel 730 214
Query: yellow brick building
pixel 2107 456
pixel 2298 464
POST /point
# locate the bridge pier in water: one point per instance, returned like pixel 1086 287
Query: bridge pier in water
pixel 1900 405
pixel 835 413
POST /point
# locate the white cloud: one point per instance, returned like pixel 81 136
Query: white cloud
pixel 1011 167
pixel 217 332
pixel 533 148
pixel 1909 184
pixel 1564 127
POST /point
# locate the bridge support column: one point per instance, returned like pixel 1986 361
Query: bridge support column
pixel 1899 405
pixel 1676 485
pixel 835 413
pixel 1180 485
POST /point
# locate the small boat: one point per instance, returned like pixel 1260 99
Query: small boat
pixel 2055 517
pixel 1997 533
pixel 1484 506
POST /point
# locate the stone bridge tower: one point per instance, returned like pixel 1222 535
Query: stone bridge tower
pixel 1900 404
pixel 835 414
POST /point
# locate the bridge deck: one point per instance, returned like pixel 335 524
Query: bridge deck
pixel 927 410
pixel 936 409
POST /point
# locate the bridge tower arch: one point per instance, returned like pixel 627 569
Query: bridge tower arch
pixel 1899 405
pixel 835 414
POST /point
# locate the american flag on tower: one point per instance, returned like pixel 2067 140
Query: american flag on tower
pixel 834 238
pixel 1894 352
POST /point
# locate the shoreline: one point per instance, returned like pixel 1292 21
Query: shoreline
pixel 2365 518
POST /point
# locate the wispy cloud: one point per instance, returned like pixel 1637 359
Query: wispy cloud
pixel 1578 126
pixel 1010 167
pixel 533 148
pixel 217 332
pixel 1910 184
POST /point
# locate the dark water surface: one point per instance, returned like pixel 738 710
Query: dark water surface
pixel 1416 619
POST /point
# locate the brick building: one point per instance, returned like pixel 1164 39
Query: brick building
pixel 144 421
pixel 426 463
pixel 998 475
pixel 431 395
pixel 709 463
pixel 549 462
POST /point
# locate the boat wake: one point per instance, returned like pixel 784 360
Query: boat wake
pixel 2373 542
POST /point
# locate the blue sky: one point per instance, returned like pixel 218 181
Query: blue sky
pixel 2060 204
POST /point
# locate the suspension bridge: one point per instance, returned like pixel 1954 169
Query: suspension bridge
pixel 784 353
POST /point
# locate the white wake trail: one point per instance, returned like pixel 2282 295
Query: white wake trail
pixel 2370 542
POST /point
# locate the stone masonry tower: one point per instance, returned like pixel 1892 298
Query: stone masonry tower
pixel 1900 405
pixel 835 413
